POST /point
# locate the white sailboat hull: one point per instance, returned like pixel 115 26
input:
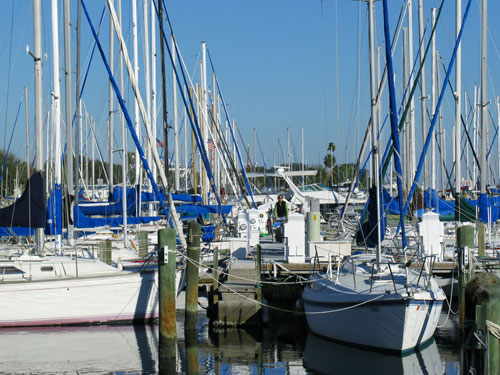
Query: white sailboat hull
pixel 372 315
pixel 399 326
pixel 131 296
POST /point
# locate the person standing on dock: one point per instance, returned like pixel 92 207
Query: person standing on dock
pixel 281 209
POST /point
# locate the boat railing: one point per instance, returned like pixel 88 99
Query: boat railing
pixel 374 277
pixel 427 277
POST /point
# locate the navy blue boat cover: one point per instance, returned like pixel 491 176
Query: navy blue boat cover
pixel 29 210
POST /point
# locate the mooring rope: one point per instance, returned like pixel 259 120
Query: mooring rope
pixel 278 308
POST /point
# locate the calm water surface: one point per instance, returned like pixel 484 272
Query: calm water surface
pixel 284 348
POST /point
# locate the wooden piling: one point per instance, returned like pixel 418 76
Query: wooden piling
pixel 484 289
pixel 465 240
pixel 191 338
pixel 142 238
pixel 258 256
pixel 481 333
pixel 480 239
pixel 193 259
pixel 166 281
pixel 215 288
pixel 105 253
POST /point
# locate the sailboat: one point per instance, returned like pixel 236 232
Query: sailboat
pixel 372 301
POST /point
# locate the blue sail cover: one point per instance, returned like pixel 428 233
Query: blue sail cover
pixel 202 209
pixel 488 206
pixel 367 232
pixel 29 210
pixel 84 221
pixel 89 208
pixel 437 204
pixel 389 204
pixel 150 197
pixel 54 211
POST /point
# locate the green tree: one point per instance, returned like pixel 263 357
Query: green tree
pixel 329 160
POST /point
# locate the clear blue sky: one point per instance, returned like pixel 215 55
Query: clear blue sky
pixel 281 64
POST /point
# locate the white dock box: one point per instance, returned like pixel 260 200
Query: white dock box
pixel 324 249
pixel 295 250
pixel 253 218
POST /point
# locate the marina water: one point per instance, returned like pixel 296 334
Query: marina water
pixel 280 348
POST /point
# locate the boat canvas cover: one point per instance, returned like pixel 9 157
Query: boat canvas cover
pixel 438 204
pixel 29 210
pixel 367 232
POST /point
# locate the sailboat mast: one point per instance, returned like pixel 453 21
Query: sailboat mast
pixel 78 106
pixel 111 108
pixel 27 118
pixel 124 144
pixel 484 109
pixel 375 156
pixel 423 98
pixel 176 123
pixel 136 104
pixel 56 115
pixel 433 100
pixel 37 37
pixel 458 96
pixel 67 102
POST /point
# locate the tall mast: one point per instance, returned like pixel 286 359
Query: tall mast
pixel 423 98
pixel 78 107
pixel 149 154
pixel 406 130
pixel 176 122
pixel 484 109
pixel 458 95
pixel 136 104
pixel 37 31
pixel 67 102
pixel 27 119
pixel 111 107
pixel 433 99
pixel 373 94
pixel 56 115
pixel 412 151
pixel 204 115
pixel 124 141
pixel 153 81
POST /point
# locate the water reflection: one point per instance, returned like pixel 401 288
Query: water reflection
pixel 327 357
pixel 282 348
pixel 82 350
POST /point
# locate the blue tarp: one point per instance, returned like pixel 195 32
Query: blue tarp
pixel 16 231
pixel 437 204
pixel 54 211
pixel 150 197
pixel 89 208
pixel 367 231
pixel 84 221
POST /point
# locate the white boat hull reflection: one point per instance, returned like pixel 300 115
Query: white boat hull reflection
pixel 327 357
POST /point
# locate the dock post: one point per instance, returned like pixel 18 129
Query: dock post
pixel 215 288
pixel 482 334
pixel 258 251
pixel 480 239
pixel 142 238
pixel 484 289
pixel 105 253
pixel 166 281
pixel 192 274
pixel 465 241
